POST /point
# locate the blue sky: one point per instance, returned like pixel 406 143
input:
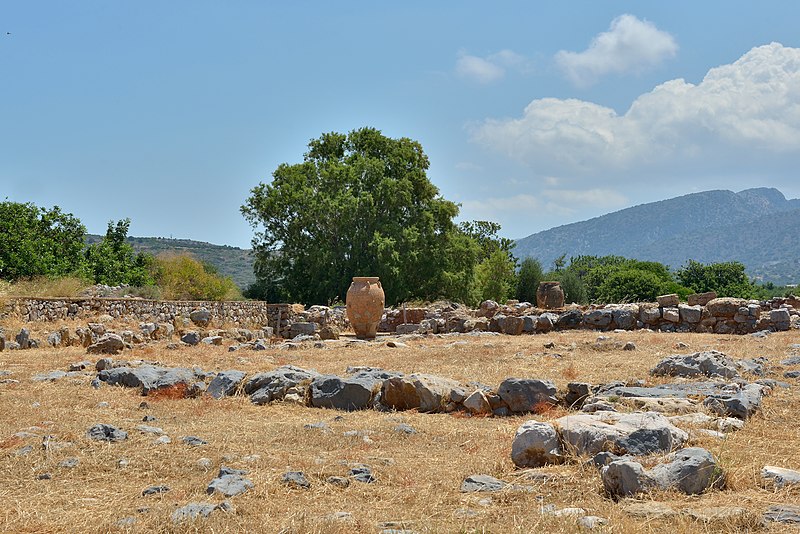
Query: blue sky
pixel 533 114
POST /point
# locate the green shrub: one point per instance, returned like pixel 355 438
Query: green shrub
pixel 630 285
pixel 528 278
pixel 182 277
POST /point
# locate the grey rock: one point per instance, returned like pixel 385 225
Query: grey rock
pixel 481 483
pixel 195 510
pixel 742 404
pixel 782 513
pixel 352 393
pixel 321 426
pixel 591 522
pixel 295 479
pixel 569 319
pixel 536 444
pixel 230 482
pixel 104 363
pixel 24 451
pixel 225 383
pixel 527 394
pixel 191 338
pixel 147 377
pixel 147 429
pixel 341 482
pixel 577 392
pixel 51 376
pixel 404 428
pixel 107 344
pixel 630 345
pixel 267 387
pixel 598 318
pixel 791 374
pixel 780 477
pixel 212 340
pixel 194 441
pixel 708 363
pixel 427 393
pixel 54 339
pixel 691 471
pixel 756 366
pixel 154 490
pixel 362 473
pixel 794 360
pixel 103 432
pixel 12 345
pixel 200 317
pixel 642 432
pixel 23 339
pixel 623 478
pixel 624 318
pixel 666 301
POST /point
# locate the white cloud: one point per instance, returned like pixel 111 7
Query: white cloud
pixel 490 68
pixel 741 114
pixel 598 198
pixel 630 44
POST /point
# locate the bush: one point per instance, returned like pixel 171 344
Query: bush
pixel 571 284
pixel 727 279
pixel 45 287
pixel 528 278
pixel 630 285
pixel 495 277
pixel 182 277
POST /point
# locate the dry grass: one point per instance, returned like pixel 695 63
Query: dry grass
pixel 44 287
pixel 418 475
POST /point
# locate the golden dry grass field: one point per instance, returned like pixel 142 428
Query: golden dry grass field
pixel 418 475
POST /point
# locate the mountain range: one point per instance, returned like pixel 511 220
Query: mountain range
pixel 758 227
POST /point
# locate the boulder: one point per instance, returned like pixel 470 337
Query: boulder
pixel 149 378
pixel 511 325
pixel 598 318
pixel 23 339
pixel 635 433
pixel 527 394
pixel 428 393
pixel 701 299
pixel 107 344
pixel 536 444
pixel 624 318
pixel 303 329
pixel 546 321
pixel 569 319
pixel 780 477
pixel 200 317
pixel 328 391
pixel 708 363
pixel 477 403
pixel 740 404
pixel 691 471
pixel 481 483
pixel 671 314
pixel 212 340
pixel 690 314
pixel 783 513
pixel 225 383
pixel 725 307
pixel 272 385
pixel 649 314
pixel 230 482
pixel 191 338
pixel 328 332
pixel 668 301
pixel 103 432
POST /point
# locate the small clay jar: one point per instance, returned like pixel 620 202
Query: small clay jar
pixel 550 296
pixel 365 303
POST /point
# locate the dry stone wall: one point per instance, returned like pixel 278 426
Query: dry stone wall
pixel 240 313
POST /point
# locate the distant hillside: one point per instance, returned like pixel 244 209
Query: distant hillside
pixel 758 227
pixel 229 261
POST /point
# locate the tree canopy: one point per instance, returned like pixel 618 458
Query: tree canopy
pixel 36 241
pixel 360 204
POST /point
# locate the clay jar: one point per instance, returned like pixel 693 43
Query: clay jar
pixel 550 295
pixel 365 302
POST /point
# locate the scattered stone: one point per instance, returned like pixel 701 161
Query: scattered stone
pixel 52 376
pixel 634 433
pixel 477 403
pixel 648 509
pixel 103 432
pixel 200 317
pixel 212 340
pixel 341 482
pixel 230 482
pixel 148 377
pixel 427 393
pixel 352 393
pixel 321 426
pixel 295 479
pixel 404 428
pixel 196 510
pixel 780 477
pixel 591 522
pixel 708 363
pixel 146 429
pixel 782 513
pixel 225 383
pixel 24 451
pixel 69 463
pixel 527 394
pixel 362 473
pixel 536 444
pixel 713 514
pixel 162 440
pixel 191 338
pixel 630 345
pixel 194 441
pixel 107 344
pixel 44 476
pixel 481 483
pixel 273 385
pixel 154 490
pixel 794 360
pixel 741 404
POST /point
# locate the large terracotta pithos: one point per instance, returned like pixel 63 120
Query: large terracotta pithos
pixel 365 302
pixel 550 295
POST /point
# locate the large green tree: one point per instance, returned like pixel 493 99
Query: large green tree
pixel 113 261
pixel 36 241
pixel 360 204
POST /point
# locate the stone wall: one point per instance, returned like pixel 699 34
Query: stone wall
pixel 240 313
